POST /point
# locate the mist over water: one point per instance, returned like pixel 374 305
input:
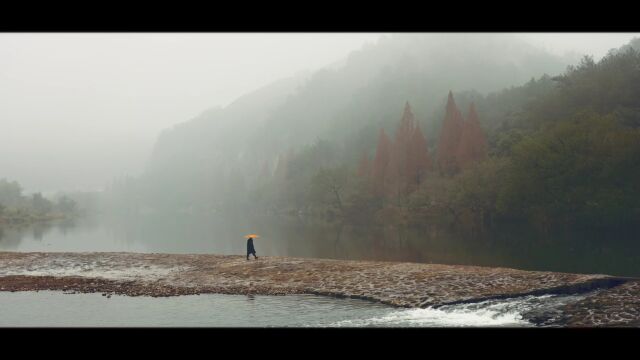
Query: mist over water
pixel 514 246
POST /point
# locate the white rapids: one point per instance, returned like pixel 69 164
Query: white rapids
pixel 490 313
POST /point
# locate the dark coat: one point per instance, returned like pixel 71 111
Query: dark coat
pixel 250 248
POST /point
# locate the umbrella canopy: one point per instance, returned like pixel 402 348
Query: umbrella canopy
pixel 252 236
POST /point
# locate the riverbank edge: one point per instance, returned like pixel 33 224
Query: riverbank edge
pixel 254 280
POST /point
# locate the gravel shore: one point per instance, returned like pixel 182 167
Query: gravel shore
pixel 392 283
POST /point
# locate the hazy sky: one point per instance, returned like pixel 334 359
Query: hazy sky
pixel 84 108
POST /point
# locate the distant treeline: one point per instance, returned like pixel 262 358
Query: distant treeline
pixel 561 150
pixel 18 209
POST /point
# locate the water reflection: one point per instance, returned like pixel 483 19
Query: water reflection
pixel 514 245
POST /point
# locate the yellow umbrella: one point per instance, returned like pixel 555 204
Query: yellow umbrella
pixel 252 236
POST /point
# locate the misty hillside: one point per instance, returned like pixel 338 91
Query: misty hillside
pixel 186 155
pixel 372 87
pixel 348 101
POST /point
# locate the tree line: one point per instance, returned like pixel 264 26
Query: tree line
pixel 17 208
pixel 557 151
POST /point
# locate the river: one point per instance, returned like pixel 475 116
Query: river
pixel 514 246
pixel 25 309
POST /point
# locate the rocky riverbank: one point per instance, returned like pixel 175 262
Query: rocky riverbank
pixel 615 301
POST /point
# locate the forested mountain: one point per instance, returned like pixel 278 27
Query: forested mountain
pixel 416 128
pixel 215 158
pixel 193 158
pixel 559 150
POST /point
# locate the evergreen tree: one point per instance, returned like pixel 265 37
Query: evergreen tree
pixel 420 160
pixel 400 167
pixel 450 138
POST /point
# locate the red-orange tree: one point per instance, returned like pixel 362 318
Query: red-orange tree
pixel 400 166
pixel 381 164
pixel 419 160
pixel 473 142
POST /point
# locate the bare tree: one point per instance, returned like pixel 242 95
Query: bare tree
pixel 331 183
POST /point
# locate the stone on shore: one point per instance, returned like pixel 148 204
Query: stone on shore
pixel 392 283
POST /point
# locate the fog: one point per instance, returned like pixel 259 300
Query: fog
pixel 78 110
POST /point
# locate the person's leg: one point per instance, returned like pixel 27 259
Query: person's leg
pixel 248 255
pixel 254 255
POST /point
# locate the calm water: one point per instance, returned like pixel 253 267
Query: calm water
pixel 56 309
pixel 514 246
pixel 517 247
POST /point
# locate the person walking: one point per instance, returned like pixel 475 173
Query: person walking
pixel 250 248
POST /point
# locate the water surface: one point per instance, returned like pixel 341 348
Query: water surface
pixel 57 309
pixel 517 246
